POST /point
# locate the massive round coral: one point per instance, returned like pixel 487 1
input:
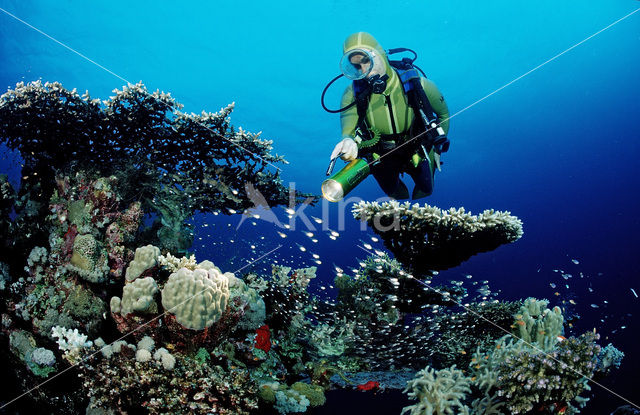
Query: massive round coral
pixel 197 298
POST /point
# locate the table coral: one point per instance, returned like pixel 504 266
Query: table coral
pixel 139 136
pixel 427 238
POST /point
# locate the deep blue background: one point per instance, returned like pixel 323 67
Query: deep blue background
pixel 558 148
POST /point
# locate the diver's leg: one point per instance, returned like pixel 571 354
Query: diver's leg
pixel 387 174
pixel 422 176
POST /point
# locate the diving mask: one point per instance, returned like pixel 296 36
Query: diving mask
pixel 357 63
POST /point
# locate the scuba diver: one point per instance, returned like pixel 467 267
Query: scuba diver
pixel 392 118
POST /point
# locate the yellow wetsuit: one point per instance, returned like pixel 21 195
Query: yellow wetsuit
pixel 389 113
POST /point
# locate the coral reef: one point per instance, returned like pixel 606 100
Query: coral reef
pixel 171 162
pixel 395 316
pixel 426 238
pixel 529 380
pixel 545 371
pixel 100 219
pixel 128 377
pixel 478 325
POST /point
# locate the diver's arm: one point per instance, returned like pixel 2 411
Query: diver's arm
pixel 347 149
pixel 348 118
pixel 439 105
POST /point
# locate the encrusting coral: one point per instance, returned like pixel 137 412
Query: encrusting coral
pixel 425 238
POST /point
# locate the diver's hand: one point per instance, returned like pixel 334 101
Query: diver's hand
pixel 347 149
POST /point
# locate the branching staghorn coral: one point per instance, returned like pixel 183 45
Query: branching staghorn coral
pixel 173 263
pixel 427 238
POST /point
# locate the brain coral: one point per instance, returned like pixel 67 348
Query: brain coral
pixel 197 298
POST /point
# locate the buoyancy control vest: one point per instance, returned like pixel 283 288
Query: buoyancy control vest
pixel 431 135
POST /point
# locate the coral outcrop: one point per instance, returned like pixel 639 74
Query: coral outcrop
pixel 137 297
pixel 170 161
pixel 427 238
pixel 543 374
pixel 197 298
pixel 145 258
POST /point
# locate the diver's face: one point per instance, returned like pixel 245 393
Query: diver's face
pixel 360 62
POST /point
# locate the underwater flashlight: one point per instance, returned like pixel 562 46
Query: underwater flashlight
pixel 336 187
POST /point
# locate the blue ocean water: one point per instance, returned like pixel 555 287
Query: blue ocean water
pixel 558 147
